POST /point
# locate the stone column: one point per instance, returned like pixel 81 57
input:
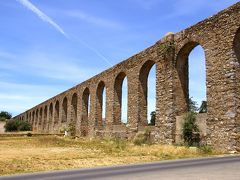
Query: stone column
pixel 133 96
pixel 165 110
pixel 109 115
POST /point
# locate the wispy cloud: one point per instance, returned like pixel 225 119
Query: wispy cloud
pixel 100 22
pixel 41 15
pixel 44 17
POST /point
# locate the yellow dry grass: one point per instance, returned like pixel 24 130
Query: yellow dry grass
pixel 31 154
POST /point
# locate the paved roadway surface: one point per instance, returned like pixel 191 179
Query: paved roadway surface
pixel 200 169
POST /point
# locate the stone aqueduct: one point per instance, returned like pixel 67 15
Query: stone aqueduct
pixel 218 35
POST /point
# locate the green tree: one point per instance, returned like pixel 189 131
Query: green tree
pixel 192 105
pixel 153 118
pixel 17 125
pixel 5 115
pixel 203 107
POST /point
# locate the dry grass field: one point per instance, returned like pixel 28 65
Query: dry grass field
pixel 31 154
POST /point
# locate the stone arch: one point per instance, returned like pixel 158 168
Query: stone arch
pixel 50 118
pixel 118 86
pixel 64 110
pixel 99 104
pixel 236 44
pixel 143 91
pixel 56 115
pixel 182 84
pixel 85 111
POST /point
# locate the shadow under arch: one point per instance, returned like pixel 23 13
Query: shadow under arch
pixel 64 110
pixel 118 86
pixel 99 104
pixel 85 111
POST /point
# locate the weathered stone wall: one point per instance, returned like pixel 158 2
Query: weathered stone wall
pixel 219 36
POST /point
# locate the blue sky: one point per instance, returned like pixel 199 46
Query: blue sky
pixel 48 46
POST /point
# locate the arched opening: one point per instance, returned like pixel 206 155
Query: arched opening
pixel 50 117
pixel 85 111
pixel 100 116
pixel 144 105
pixel 120 99
pixel 237 45
pixel 74 103
pixel 45 118
pixel 191 68
pixel 64 110
pixel 151 94
pixel 56 115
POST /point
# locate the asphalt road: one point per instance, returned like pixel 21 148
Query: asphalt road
pixel 199 169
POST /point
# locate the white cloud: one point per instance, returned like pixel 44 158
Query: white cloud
pixel 41 15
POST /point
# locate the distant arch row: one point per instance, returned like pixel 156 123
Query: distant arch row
pixel 50 116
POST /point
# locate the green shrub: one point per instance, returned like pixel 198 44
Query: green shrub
pixel 191 134
pixel 16 125
pixel 142 138
pixel 24 126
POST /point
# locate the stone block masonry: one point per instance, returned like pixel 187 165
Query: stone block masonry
pixel 81 105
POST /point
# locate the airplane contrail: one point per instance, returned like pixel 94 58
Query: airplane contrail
pixel 44 17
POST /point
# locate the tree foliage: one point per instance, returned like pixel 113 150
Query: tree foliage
pixel 17 125
pixel 5 115
pixel 153 118
pixel 192 105
pixel 203 107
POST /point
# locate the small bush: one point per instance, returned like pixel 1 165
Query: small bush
pixel 142 138
pixel 17 125
pixel 191 133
